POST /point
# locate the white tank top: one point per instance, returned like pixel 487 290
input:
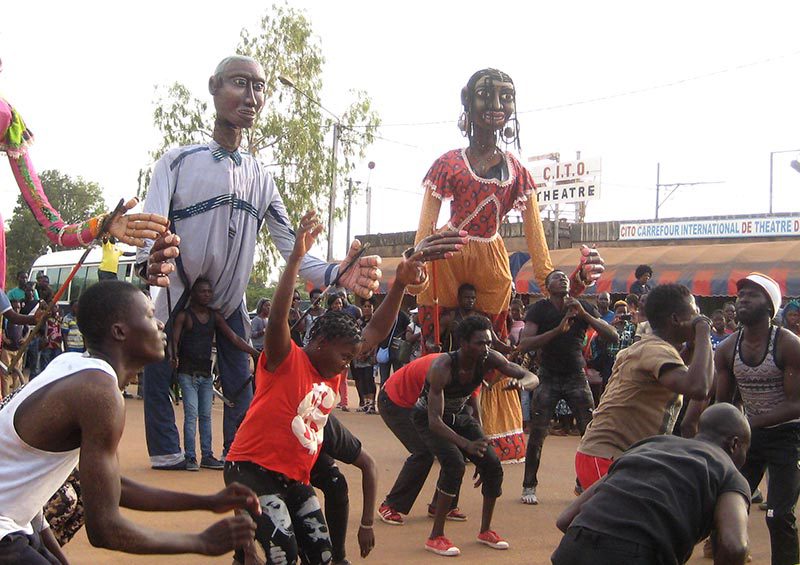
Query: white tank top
pixel 30 476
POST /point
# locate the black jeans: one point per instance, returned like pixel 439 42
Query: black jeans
pixel 581 546
pixel 365 381
pixel 451 458
pixel 553 386
pixel 291 523
pixel 778 450
pixel 19 548
pixel 327 477
pixel 417 466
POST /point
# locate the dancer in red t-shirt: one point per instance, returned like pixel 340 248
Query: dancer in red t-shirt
pixel 281 435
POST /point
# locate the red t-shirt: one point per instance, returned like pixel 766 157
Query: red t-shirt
pixel 282 430
pixel 405 385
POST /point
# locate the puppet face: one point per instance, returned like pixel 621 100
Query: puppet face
pixel 239 93
pixel 493 103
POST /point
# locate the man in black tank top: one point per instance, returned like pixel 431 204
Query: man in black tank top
pixel 451 432
pixel 762 362
pixel 192 337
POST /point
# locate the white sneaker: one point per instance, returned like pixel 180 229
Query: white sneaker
pixel 529 496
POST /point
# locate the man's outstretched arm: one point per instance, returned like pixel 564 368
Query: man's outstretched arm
pixel 101 417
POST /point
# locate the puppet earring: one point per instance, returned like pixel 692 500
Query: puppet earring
pixel 462 122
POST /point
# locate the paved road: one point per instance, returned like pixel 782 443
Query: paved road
pixel 530 530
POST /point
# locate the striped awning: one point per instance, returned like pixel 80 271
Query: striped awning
pixel 708 270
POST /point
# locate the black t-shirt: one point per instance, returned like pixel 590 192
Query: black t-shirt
pixel 399 330
pixel 661 493
pixel 339 443
pixel 563 354
pixel 639 288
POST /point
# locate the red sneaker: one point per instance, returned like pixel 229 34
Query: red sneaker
pixel 490 538
pixel 442 546
pixel 390 515
pixel 455 515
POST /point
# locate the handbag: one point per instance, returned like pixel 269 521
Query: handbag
pixel 382 356
pixel 401 350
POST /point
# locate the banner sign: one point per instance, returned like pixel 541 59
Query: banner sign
pixel 775 226
pixel 569 181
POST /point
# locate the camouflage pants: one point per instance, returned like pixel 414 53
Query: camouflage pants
pixel 64 510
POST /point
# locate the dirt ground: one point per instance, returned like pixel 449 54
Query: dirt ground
pixel 530 530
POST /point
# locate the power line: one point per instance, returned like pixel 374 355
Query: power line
pixel 632 92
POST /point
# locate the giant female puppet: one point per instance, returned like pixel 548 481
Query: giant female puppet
pixel 484 184
pixel 15 139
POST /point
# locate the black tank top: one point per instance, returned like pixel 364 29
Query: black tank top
pixel 194 354
pixel 456 394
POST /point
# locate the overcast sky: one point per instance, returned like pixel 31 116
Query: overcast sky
pixel 83 74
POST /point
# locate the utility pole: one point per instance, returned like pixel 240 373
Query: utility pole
pixel 370 166
pixel 349 204
pixel 332 195
pixel 658 187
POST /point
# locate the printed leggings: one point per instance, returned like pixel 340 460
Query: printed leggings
pixel 291 523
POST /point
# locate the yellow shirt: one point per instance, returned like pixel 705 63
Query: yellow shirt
pixel 111 255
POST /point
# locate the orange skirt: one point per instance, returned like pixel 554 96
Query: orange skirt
pixel 501 414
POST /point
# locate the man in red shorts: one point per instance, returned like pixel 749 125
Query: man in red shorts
pixel 645 392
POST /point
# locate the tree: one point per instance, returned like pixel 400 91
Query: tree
pixel 290 133
pixel 75 199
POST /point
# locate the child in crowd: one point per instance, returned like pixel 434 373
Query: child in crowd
pixel 71 334
pixel 193 334
pixel 718 330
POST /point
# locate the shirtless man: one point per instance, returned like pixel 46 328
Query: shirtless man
pixel 75 410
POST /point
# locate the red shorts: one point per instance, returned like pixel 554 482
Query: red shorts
pixel 590 469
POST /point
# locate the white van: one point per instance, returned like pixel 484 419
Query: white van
pixel 57 266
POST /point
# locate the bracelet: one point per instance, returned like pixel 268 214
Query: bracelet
pixel 366 527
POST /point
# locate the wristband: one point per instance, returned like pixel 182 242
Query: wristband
pixel 365 526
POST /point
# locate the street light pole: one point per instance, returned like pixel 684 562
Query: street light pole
pixel 334 152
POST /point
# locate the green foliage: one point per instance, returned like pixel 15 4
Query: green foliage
pixel 75 199
pixel 292 135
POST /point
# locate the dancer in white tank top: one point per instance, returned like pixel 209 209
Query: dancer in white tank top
pixel 75 411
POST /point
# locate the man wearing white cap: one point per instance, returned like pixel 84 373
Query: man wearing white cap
pixel 763 361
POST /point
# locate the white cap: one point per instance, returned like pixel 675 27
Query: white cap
pixel 768 285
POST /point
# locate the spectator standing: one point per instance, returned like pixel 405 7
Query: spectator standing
pixel 791 317
pixel 70 332
pixel 603 306
pixel 192 338
pixel 258 326
pixel 729 309
pixel 414 335
pixel 311 316
pixel 642 323
pixel 516 311
pixel 43 289
pixel 718 333
pixel 18 292
pixel 13 334
pixel 297 328
pixel 363 366
pixel 109 263
pixel 643 275
pixel 393 363
pixel 50 344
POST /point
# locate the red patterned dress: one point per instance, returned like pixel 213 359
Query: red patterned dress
pixel 478 206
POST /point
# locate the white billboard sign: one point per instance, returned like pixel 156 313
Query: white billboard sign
pixel 569 181
pixel 774 226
